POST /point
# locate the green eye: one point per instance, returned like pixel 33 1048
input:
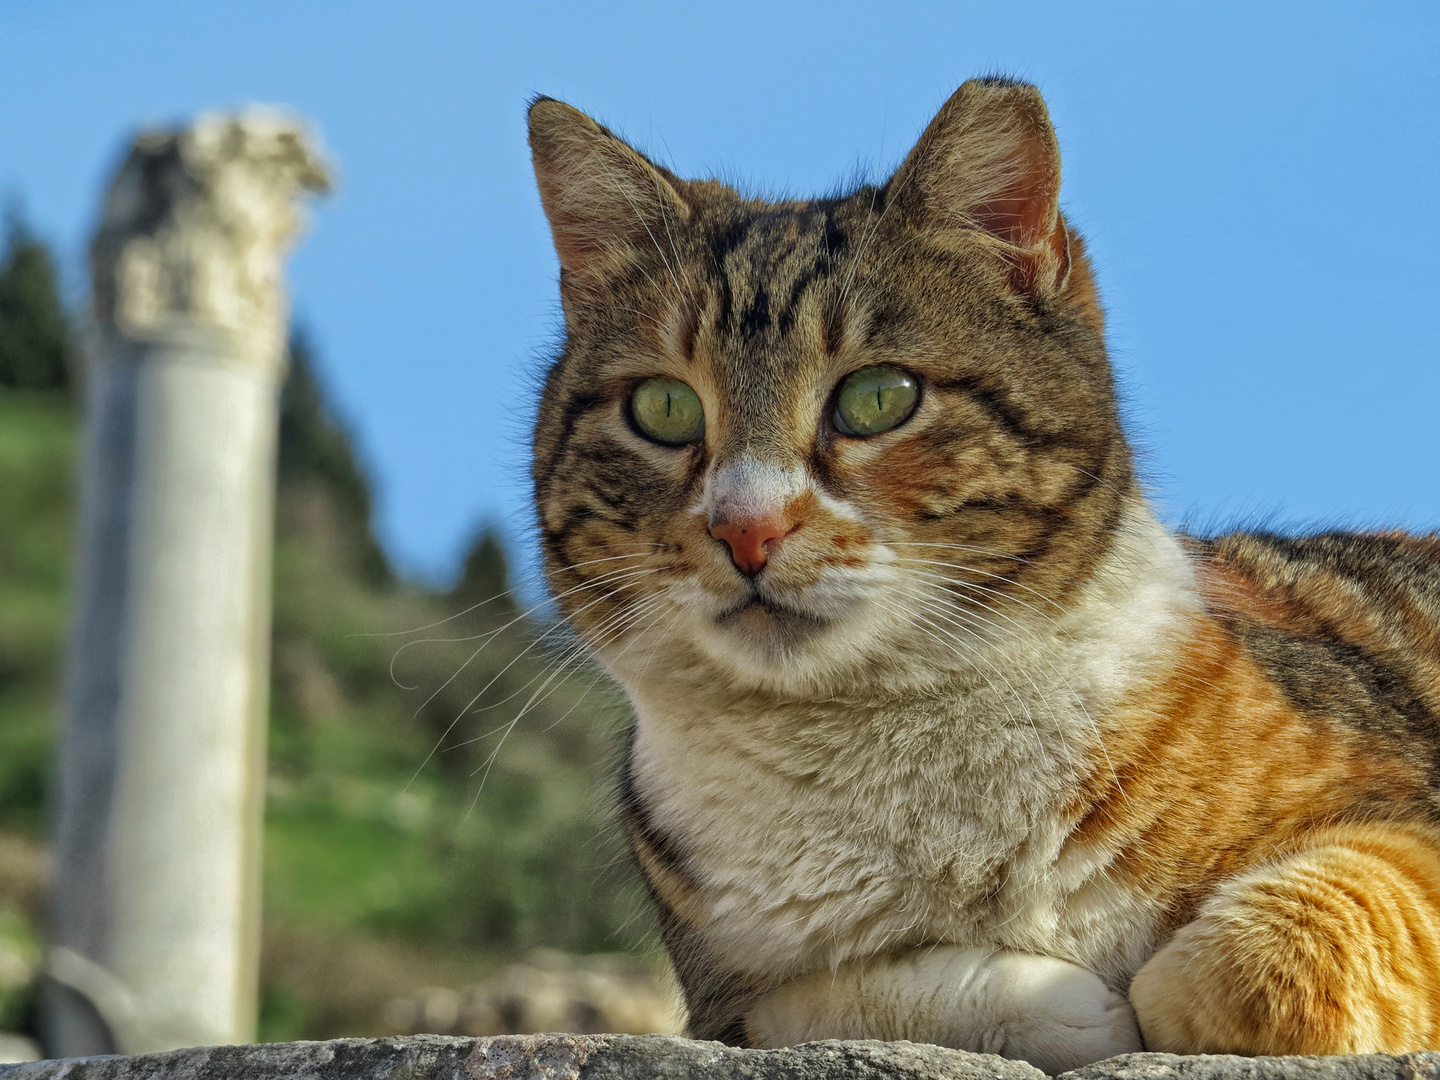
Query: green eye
pixel 875 399
pixel 667 411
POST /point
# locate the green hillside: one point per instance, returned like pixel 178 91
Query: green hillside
pixel 389 865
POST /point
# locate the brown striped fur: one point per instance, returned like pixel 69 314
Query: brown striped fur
pixel 979 725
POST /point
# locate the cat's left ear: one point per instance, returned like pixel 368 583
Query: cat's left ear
pixel 607 203
pixel 989 163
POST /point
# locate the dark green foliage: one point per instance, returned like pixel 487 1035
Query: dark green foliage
pixel 485 577
pixel 37 451
pixel 456 804
pixel 35 340
pixel 436 792
pixel 453 810
pixel 37 455
pixel 315 450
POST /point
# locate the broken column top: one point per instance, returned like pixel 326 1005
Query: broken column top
pixel 194 227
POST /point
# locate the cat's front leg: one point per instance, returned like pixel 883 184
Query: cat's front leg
pixel 1048 1012
pixel 1331 949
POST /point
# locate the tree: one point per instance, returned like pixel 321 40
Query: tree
pixel 485 575
pixel 316 452
pixel 35 340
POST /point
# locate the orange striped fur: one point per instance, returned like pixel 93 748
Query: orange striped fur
pixel 1330 947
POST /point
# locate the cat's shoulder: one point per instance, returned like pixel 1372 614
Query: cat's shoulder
pixel 1300 580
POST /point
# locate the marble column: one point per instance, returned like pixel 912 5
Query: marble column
pixel 155 898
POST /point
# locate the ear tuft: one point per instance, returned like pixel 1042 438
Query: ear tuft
pixel 989 163
pixel 606 202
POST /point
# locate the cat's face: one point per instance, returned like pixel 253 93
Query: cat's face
pixel 799 440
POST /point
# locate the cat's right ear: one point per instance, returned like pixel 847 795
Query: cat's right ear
pixel 607 203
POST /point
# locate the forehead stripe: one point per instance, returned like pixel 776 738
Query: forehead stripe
pixel 1009 416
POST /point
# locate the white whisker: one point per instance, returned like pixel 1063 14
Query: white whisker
pixel 524 652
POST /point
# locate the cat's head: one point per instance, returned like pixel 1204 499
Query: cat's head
pixel 797 441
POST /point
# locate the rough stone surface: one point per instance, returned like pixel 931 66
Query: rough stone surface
pixel 534 1057
pixel 663 1057
pixel 18 1048
pixel 1419 1066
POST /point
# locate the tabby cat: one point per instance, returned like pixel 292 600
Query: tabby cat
pixel 939 734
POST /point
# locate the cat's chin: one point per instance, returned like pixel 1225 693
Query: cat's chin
pixel 763 638
pixel 769 641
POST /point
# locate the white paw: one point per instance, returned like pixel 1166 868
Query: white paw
pixel 1055 1015
pixel 1051 1013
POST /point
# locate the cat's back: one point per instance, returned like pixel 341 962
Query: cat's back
pixel 1346 624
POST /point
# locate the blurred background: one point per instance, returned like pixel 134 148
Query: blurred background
pixel 1257 184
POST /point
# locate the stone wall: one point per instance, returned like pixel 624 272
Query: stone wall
pixel 661 1057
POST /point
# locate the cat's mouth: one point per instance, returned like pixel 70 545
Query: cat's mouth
pixel 757 608
pixel 769 624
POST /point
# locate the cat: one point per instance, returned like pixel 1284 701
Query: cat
pixel 938 733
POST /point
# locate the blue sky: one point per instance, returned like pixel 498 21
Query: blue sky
pixel 1259 184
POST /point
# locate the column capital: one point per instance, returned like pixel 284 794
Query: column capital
pixel 194 228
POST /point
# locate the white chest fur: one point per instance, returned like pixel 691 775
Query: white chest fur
pixel 822 831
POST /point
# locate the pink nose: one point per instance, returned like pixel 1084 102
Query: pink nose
pixel 750 539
